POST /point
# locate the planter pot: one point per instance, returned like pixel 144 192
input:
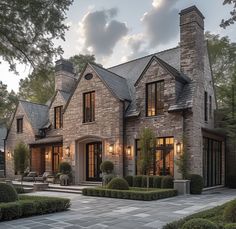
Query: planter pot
pixel 182 186
pixel 64 180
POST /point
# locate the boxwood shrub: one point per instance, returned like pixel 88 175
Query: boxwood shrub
pixel 32 205
pixel 157 181
pixel 196 183
pixel 167 182
pixel 199 223
pixel 129 179
pixel 230 212
pixel 137 181
pixel 7 193
pixel 132 194
pixel 118 183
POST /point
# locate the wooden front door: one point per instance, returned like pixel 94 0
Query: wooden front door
pixel 93 161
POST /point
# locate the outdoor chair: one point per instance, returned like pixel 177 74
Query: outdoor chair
pixel 30 177
pixel 43 178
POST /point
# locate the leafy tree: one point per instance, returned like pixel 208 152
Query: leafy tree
pixel 8 101
pixel 39 86
pixel 21 158
pixel 29 28
pixel 232 19
pixel 147 144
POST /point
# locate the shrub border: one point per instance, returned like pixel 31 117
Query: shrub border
pixel 130 194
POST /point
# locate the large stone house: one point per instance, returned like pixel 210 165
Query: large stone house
pixel 99 114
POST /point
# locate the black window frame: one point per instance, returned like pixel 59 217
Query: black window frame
pixel 89 115
pixel 158 110
pixel 205 106
pixel 19 125
pixel 58 124
pixel 210 107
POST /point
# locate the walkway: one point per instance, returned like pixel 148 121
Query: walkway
pixel 92 212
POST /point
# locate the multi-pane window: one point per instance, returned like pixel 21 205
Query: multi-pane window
pixel 58 119
pixel 89 107
pixel 19 125
pixel 155 98
pixel 210 106
pixel 205 106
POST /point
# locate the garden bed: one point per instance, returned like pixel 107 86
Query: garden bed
pixel 132 193
pixel 32 205
pixel 214 215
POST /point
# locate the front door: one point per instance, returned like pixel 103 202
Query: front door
pixel 93 161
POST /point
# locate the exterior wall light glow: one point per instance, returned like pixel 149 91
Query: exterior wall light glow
pixel 47 156
pixel 8 154
pixel 111 148
pixel 68 151
pixel 178 148
pixel 128 151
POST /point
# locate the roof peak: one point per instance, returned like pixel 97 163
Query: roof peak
pixel 25 101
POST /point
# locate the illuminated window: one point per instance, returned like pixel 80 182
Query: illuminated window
pixel 155 98
pixel 58 117
pixel 19 125
pixel 89 107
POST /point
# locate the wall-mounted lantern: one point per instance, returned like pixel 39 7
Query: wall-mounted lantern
pixel 8 155
pixel 68 151
pixel 128 151
pixel 178 148
pixel 47 155
pixel 111 149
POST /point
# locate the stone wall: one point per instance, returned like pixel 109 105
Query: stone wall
pixel 27 137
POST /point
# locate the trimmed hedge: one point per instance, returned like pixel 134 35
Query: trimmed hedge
pixel 230 226
pixel 199 223
pixel 7 193
pixel 132 194
pixel 118 183
pixel 230 212
pixel 167 182
pixel 196 183
pixel 32 205
pixel 129 179
pixel 137 181
pixel 157 181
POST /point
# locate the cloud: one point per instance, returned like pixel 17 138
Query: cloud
pixel 161 22
pixel 100 32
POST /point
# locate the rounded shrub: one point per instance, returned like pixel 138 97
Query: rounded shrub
pixel 196 183
pixel 137 181
pixel 7 193
pixel 167 182
pixel 107 167
pixel 230 212
pixel 230 226
pixel 129 179
pixel 65 168
pixel 118 183
pixel 199 224
pixel 107 178
pixel 157 181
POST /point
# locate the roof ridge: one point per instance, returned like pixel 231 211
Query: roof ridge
pixel 109 71
pixel 149 55
pixel 25 101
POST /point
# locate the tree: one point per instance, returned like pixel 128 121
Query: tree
pixel 39 86
pixel 232 19
pixel 21 158
pixel 8 102
pixel 147 144
pixel 29 28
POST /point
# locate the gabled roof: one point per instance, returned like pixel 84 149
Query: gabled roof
pixel 117 84
pixel 36 113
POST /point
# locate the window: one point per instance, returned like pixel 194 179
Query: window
pixel 19 125
pixel 210 106
pixel 155 98
pixel 205 107
pixel 58 119
pixel 89 107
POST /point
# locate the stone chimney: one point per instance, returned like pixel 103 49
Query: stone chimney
pixel 64 76
pixel 192 43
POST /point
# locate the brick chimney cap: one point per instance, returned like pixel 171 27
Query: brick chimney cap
pixel 64 65
pixel 190 9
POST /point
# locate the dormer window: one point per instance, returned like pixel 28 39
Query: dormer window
pixel 89 107
pixel 58 119
pixel 19 125
pixel 155 98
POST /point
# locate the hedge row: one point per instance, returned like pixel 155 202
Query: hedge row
pixel 32 205
pixel 154 181
pixel 130 194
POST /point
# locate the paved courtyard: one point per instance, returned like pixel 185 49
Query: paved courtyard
pixel 92 212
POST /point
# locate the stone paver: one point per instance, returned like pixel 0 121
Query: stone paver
pixel 102 213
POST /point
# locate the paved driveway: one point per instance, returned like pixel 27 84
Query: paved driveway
pixel 92 212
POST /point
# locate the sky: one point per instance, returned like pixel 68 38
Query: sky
pixel 116 31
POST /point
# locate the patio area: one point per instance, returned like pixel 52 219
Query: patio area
pixel 92 212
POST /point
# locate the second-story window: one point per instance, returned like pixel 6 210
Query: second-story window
pixel 19 125
pixel 155 98
pixel 58 119
pixel 210 107
pixel 89 107
pixel 205 106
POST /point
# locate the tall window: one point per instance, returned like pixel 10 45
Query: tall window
pixel 58 119
pixel 210 106
pixel 155 98
pixel 89 106
pixel 206 106
pixel 19 125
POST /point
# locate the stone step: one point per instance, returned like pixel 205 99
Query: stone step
pixel 64 190
pixel 90 183
pixel 28 190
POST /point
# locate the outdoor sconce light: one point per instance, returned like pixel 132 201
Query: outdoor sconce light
pixel 47 156
pixel 111 149
pixel 8 154
pixel 178 148
pixel 68 151
pixel 128 151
